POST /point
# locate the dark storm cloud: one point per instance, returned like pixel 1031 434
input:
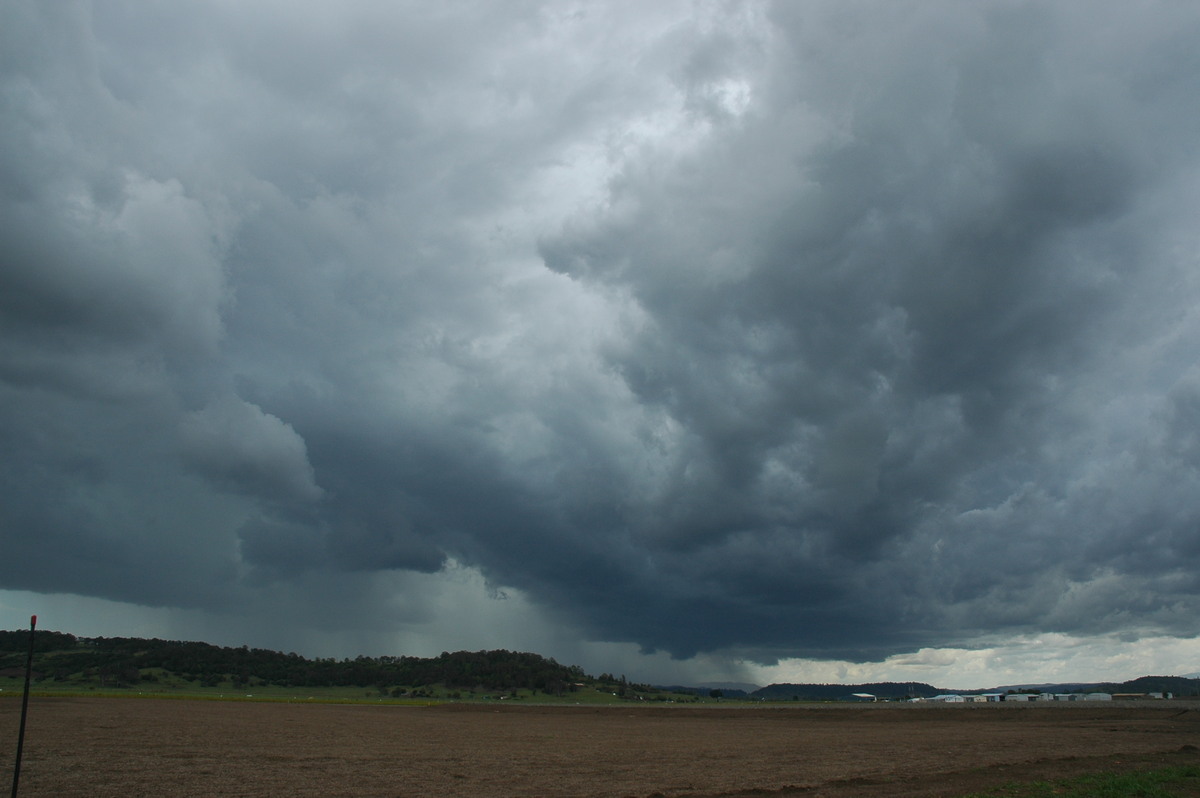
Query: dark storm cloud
pixel 833 330
pixel 887 387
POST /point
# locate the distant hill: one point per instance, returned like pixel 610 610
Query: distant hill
pixel 124 662
pixel 706 690
pixel 838 692
pixel 1176 685
pixel 745 687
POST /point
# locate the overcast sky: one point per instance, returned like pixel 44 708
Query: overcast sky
pixel 804 341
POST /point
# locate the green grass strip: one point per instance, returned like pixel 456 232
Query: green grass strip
pixel 1170 782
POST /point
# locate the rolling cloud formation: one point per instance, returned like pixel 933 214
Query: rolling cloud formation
pixel 825 329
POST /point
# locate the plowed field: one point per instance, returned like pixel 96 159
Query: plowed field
pixel 155 747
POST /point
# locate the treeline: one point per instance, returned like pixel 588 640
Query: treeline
pixel 42 641
pixel 125 661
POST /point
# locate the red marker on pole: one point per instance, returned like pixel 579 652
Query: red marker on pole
pixel 24 707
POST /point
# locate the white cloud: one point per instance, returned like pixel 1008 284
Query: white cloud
pixel 1037 659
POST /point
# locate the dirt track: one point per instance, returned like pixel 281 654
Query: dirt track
pixel 156 747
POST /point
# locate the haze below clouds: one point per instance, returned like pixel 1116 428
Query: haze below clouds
pixel 748 341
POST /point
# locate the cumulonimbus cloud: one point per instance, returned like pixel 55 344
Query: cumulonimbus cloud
pixel 829 329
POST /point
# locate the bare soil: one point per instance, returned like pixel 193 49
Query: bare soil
pixel 157 747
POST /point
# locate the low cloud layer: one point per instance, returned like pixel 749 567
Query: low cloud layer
pixel 825 330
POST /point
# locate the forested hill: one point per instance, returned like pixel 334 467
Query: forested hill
pixel 121 661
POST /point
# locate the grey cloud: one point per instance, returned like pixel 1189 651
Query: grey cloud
pixel 962 253
pixel 825 329
pixel 239 446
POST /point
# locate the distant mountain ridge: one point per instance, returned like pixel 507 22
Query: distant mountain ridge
pixel 836 692
pixel 1176 685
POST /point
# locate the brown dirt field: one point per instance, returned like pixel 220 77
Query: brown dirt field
pixel 157 747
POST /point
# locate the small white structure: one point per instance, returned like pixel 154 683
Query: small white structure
pixel 948 698
pixel 1098 697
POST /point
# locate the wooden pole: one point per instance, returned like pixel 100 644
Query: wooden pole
pixel 24 707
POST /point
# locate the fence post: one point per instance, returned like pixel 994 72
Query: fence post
pixel 24 707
